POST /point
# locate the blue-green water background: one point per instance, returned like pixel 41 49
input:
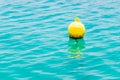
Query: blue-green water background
pixel 34 43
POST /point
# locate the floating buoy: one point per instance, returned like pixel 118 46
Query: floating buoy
pixel 76 29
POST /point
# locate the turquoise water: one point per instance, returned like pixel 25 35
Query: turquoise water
pixel 34 43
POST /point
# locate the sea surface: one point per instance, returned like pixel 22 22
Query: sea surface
pixel 34 42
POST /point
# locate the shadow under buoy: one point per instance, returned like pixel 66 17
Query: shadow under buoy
pixel 75 47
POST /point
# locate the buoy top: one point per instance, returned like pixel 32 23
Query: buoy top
pixel 77 19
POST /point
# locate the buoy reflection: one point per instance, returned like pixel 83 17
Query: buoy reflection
pixel 75 47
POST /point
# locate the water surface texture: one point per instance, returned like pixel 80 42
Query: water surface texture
pixel 34 43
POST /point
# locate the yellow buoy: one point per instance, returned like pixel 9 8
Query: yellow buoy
pixel 76 29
